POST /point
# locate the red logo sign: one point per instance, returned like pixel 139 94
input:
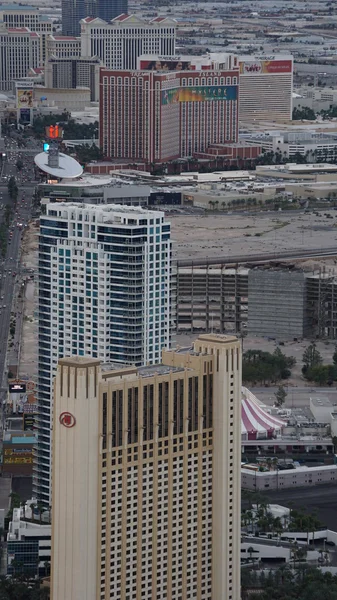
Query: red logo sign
pixel 67 419
pixel 253 68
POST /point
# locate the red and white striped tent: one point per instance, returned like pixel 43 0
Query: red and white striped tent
pixel 256 423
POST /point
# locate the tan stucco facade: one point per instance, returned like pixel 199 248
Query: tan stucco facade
pixel 158 492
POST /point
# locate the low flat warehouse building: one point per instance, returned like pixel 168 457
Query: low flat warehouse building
pixel 274 480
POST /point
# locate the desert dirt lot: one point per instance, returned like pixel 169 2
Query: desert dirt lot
pixel 214 235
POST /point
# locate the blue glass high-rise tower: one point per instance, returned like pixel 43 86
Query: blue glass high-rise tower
pixel 75 10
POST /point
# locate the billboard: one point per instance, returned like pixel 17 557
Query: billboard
pixel 166 65
pixel 17 388
pixel 25 115
pixel 18 460
pixel 24 98
pixel 17 456
pixel 200 94
pixel 29 408
pixel 28 422
pixel 54 132
pixel 263 67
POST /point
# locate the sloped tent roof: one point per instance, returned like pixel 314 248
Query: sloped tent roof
pixel 255 421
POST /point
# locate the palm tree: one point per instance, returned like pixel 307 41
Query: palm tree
pixel 247 495
pixel 277 526
pixel 17 566
pixel 274 463
pixel 250 517
pixel 32 507
pixel 250 551
pixel 46 568
pixel 244 519
pixel 15 500
pixel 293 551
pixel 41 510
pixel 259 500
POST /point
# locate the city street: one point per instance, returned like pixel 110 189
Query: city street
pixel 9 266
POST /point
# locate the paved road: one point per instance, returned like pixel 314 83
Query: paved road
pixel 265 541
pixel 259 258
pixel 7 270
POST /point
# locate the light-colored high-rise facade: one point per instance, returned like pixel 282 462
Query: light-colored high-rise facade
pixel 16 16
pixel 63 46
pixel 104 291
pixel 121 41
pixel 70 73
pixel 146 468
pixel 19 50
pixel 266 87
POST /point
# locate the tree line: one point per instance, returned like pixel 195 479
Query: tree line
pixel 313 368
pixel 265 368
pixel 301 583
pixel 22 588
pixel 71 129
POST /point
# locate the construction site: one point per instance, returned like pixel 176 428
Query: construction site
pixel 282 301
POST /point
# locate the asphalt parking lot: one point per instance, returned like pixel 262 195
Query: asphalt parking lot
pixel 321 499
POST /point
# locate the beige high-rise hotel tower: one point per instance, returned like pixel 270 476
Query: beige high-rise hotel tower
pixel 146 476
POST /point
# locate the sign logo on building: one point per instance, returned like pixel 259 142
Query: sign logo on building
pixel 28 422
pixel 54 132
pixel 67 419
pixel 264 67
pixel 24 98
pixel 17 388
pixel 166 63
pixel 199 94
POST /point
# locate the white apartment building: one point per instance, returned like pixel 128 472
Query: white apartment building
pixel 316 98
pixel 19 51
pixel 146 468
pixel 104 291
pixel 121 41
pixel 266 87
pixel 16 16
pixel 312 144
